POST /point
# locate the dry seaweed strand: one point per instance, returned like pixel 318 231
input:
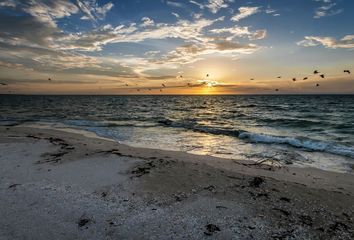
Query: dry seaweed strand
pixel 272 162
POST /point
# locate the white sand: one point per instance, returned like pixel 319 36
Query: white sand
pixel 136 193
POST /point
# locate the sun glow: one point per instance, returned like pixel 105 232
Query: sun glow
pixel 207 86
pixel 208 83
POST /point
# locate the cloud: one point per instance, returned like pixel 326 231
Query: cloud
pixel 147 22
pixel 102 11
pixel 212 5
pixel 326 9
pixel 272 12
pixel 50 10
pixel 186 54
pixel 190 31
pixel 215 5
pixel 14 65
pixel 201 6
pixel 92 11
pixel 259 34
pixel 174 4
pixel 38 26
pixel 244 12
pixel 44 80
pixel 175 14
pixel 347 42
pixel 197 15
pixel 34 40
pixel 161 77
pixel 237 31
pixel 47 60
pixel 44 11
pixel 8 3
pixel 26 30
pixel 151 53
pixel 190 53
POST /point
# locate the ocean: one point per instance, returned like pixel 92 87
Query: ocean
pixel 301 130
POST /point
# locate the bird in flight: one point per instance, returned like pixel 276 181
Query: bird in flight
pixel 279 77
pixel 347 71
pixel 163 85
pixel 315 72
pixel 207 75
pixel 317 85
pixel 294 79
pixel 3 84
pixel 305 78
pixel 277 90
pixel 252 79
pixel 322 75
pixel 49 79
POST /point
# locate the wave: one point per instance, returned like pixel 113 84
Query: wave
pixel 85 123
pixel 298 142
pixel 11 123
pixel 193 125
pixel 293 122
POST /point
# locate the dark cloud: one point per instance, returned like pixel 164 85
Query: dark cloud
pixel 30 38
pixel 228 45
pixel 52 61
pixel 26 30
pixel 44 80
pixel 161 77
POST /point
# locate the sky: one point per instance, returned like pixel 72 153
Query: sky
pixel 176 46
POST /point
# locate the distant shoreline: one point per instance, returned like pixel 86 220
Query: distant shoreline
pixel 203 95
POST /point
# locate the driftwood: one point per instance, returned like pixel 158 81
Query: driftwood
pixel 270 162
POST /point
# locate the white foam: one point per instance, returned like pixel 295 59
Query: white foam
pixel 309 144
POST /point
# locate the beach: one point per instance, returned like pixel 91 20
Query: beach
pixel 167 119
pixel 76 185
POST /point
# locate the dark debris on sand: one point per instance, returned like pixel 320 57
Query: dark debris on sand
pixel 256 182
pixel 143 169
pixel 211 229
pixel 65 148
pixel 14 185
pixel 306 220
pixel 286 213
pixel 146 168
pixel 285 199
pixel 114 151
pixel 84 221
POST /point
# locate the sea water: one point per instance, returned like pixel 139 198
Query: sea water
pixel 304 130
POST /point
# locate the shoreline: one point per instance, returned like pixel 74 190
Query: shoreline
pixel 304 156
pixel 192 189
pixel 279 172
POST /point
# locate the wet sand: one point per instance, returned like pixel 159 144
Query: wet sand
pixel 64 185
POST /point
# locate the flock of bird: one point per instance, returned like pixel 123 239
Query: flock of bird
pixel 277 89
pixel 315 72
pixel 306 78
pixel 163 85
